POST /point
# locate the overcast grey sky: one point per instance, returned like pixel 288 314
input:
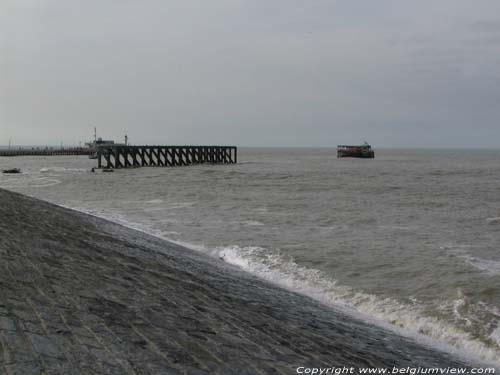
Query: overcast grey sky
pixel 251 72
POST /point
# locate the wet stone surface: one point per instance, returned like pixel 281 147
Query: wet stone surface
pixel 79 295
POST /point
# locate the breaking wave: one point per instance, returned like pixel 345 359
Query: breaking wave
pixel 405 319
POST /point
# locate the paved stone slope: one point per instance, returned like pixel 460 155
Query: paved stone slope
pixel 79 295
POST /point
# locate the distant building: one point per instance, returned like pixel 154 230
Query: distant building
pixel 96 144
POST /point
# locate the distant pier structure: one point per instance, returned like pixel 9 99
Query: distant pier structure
pixel 112 155
pixel 125 156
pixel 47 151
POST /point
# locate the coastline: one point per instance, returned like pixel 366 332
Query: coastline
pixel 84 295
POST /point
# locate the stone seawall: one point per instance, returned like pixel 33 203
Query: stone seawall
pixel 80 295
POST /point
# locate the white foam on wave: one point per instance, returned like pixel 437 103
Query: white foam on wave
pixel 493 220
pixel 45 183
pixel 458 304
pixel 252 223
pixel 172 206
pixel 495 335
pixel 155 201
pixel 406 320
pixel 29 182
pixel 489 266
pixel 62 169
pixel 119 218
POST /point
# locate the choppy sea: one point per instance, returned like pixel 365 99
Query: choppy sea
pixel 409 241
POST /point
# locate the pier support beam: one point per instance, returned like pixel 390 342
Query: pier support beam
pixel 164 156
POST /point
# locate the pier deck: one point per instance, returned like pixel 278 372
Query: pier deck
pixel 111 157
pixel 72 151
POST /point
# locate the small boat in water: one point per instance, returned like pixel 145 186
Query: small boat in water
pixel 364 151
pixel 13 170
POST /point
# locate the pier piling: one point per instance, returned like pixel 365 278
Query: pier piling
pixel 119 156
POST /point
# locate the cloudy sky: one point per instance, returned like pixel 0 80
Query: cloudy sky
pixel 251 72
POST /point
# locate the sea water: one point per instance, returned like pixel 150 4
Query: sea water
pixel 409 241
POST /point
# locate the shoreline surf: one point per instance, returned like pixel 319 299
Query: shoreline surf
pixel 163 304
pixel 321 288
pixel 425 261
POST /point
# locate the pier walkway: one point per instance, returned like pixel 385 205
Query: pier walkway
pixel 48 151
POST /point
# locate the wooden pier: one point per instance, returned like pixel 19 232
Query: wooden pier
pixel 119 156
pixel 48 151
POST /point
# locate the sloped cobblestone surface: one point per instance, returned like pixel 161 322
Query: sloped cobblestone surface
pixel 80 295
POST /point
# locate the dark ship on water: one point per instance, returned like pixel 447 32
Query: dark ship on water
pixel 364 151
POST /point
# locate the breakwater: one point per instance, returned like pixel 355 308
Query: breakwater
pixel 81 295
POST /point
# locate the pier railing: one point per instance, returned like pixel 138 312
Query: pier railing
pixel 111 157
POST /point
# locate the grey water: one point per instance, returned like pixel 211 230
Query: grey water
pixel 409 241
